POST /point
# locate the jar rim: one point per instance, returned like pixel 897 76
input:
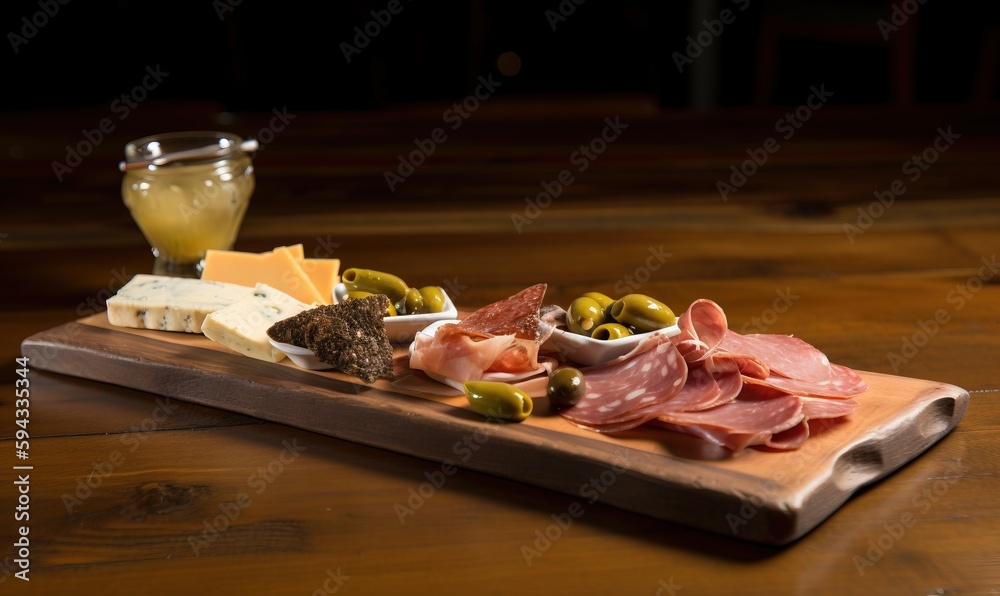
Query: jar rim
pixel 183 145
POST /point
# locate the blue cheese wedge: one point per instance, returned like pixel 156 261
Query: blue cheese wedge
pixel 170 303
pixel 242 326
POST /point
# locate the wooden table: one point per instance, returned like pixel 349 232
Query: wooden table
pixel 123 480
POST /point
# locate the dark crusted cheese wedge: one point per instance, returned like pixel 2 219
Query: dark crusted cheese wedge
pixel 349 336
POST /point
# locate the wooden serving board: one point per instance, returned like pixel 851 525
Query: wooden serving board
pixel 766 497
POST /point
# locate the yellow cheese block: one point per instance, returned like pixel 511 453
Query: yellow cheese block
pixel 297 250
pixel 280 269
pixel 324 273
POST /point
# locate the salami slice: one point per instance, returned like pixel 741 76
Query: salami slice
pixel 784 355
pixel 780 361
pixel 792 438
pixel 843 382
pixel 794 365
pixel 515 315
pixel 816 408
pixel 752 419
pixel 716 383
pixel 627 392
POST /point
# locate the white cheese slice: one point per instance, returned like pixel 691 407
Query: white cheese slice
pixel 242 326
pixel 170 303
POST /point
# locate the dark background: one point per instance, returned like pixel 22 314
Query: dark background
pixel 259 55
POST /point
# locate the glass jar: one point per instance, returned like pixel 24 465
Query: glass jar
pixel 187 192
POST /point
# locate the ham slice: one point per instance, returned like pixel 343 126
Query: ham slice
pixel 502 337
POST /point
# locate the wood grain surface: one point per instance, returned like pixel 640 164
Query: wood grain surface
pixel 314 514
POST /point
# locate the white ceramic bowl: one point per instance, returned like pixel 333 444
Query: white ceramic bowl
pixel 589 351
pixel 403 328
pixel 301 357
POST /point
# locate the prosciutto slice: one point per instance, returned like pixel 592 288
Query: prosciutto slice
pixel 458 354
pixel 502 337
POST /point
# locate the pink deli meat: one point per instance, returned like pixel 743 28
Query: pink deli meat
pixel 751 419
pixel 631 390
pixel 500 337
pixel 738 391
pixel 796 366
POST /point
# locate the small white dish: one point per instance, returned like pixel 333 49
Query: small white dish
pixel 301 357
pixel 502 377
pixel 403 328
pixel 589 351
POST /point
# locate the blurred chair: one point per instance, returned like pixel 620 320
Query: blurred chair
pixel 853 22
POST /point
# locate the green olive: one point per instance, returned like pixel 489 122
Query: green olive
pixel 566 387
pixel 610 331
pixel 376 282
pixel 643 313
pixel 603 299
pixel 584 315
pixel 411 303
pixel 390 311
pixel 433 299
pixel 498 400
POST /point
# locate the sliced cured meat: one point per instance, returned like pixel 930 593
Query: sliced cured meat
pixel 792 438
pixel 515 315
pixel 815 408
pixel 708 386
pixel 748 420
pixel 781 361
pixel 762 416
pixel 458 354
pixel 784 355
pixel 550 317
pixel 842 382
pixel 629 391
pixel 703 326
pixel 795 365
pixel 749 366
pixel 502 337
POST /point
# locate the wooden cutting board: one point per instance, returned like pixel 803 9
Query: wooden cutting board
pixel 766 497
